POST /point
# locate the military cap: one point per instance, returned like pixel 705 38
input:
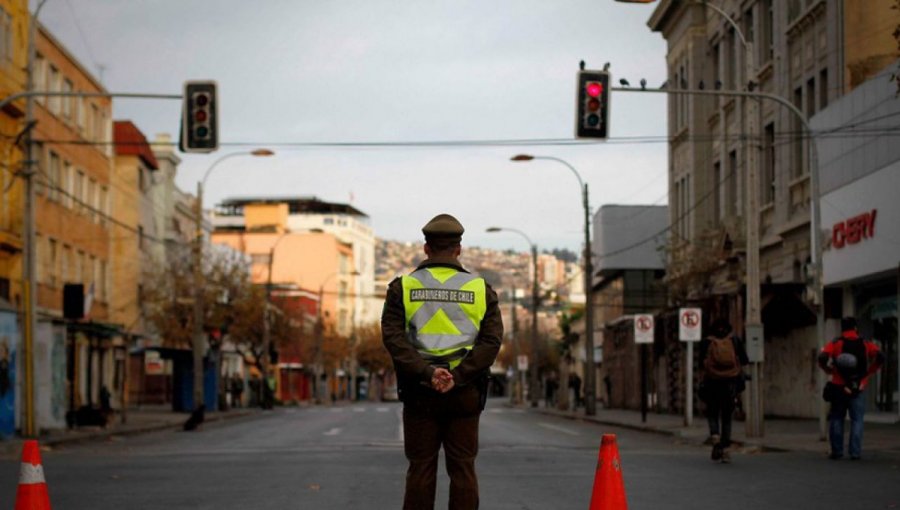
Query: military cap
pixel 443 227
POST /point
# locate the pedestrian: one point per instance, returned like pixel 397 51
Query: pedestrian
pixel 575 386
pixel 723 356
pixel 443 330
pixel 851 360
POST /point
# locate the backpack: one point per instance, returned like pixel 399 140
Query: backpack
pixel 858 349
pixel 721 359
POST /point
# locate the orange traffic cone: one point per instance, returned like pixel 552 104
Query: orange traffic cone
pixel 609 489
pixel 32 493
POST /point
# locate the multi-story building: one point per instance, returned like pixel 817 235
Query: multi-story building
pixel 13 20
pixel 73 224
pixel 345 222
pixel 137 247
pixel 860 178
pixel 808 52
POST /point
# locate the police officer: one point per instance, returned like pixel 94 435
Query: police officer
pixel 443 330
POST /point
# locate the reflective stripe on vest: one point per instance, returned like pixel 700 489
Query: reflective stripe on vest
pixel 444 308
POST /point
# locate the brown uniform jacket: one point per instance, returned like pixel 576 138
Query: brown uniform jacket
pixel 411 369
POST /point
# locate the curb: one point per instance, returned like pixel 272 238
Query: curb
pixel 15 445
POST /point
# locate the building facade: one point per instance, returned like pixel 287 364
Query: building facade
pixel 808 52
pixel 860 177
pixel 73 224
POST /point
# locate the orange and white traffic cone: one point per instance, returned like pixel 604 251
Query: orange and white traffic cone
pixel 609 488
pixel 32 493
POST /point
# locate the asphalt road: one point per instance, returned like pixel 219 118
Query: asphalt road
pixel 351 456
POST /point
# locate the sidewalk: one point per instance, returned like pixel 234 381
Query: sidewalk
pixel 138 421
pixel 780 434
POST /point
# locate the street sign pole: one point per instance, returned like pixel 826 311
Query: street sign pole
pixel 643 335
pixel 689 331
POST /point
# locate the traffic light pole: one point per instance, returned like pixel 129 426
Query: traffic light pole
pixel 815 217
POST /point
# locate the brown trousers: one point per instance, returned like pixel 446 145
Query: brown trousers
pixel 430 421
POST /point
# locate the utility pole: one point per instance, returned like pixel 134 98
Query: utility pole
pixel 199 285
pixel 590 399
pixel 518 386
pixel 29 265
pixel 535 342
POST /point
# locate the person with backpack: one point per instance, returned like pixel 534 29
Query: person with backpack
pixel 723 355
pixel 850 360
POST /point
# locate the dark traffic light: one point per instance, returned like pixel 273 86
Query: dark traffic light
pixel 200 117
pixel 592 119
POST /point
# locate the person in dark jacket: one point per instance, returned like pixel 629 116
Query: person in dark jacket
pixel 850 360
pixel 442 328
pixel 722 356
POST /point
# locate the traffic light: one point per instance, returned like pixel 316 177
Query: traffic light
pixel 592 120
pixel 200 117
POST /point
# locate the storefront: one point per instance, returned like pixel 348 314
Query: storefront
pixel 860 178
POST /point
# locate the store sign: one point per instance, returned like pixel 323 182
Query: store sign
pixel 853 230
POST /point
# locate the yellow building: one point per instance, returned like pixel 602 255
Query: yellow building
pixel 13 55
pixel 73 232
pixel 135 247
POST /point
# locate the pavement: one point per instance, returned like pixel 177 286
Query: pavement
pixel 882 432
pixel 137 421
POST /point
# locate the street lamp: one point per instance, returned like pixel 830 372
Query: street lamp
pixel 199 282
pixel 267 319
pixel 590 404
pixel 320 329
pixel 535 345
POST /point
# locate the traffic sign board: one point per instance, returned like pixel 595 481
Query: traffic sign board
pixel 689 324
pixel 643 328
pixel 523 362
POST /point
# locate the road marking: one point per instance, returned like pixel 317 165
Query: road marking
pixel 381 409
pixel 558 428
pixel 359 409
pixel 333 432
pixel 400 419
pixel 337 409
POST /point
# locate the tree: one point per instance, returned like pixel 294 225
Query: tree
pixel 370 351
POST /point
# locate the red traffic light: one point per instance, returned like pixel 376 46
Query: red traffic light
pixel 594 89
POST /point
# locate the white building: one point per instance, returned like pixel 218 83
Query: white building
pixel 345 222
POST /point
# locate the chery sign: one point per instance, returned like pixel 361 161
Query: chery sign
pixel 862 227
pixel 853 230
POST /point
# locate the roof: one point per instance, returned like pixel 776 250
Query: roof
pixel 297 205
pixel 131 142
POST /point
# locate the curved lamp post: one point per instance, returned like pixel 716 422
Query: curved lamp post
pixel 199 282
pixel 535 344
pixel 590 401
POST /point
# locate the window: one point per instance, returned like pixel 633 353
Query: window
pixel 823 89
pixel 749 30
pixel 141 238
pixel 718 213
pixel 40 75
pixel 65 261
pixel 260 258
pixel 797 142
pixel 78 191
pixel 103 204
pixel 67 100
pixel 731 191
pixel 767 28
pixel 732 61
pixel 55 176
pixel 90 200
pixel 810 97
pixel 53 86
pixel 78 267
pixel 51 262
pixel 94 123
pixel 768 179
pixel 140 178
pixel 103 287
pixel 717 72
pixel 328 221
pixel 67 184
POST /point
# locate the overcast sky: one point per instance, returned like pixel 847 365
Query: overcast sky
pixel 293 72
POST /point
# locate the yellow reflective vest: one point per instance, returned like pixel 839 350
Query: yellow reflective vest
pixel 444 309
